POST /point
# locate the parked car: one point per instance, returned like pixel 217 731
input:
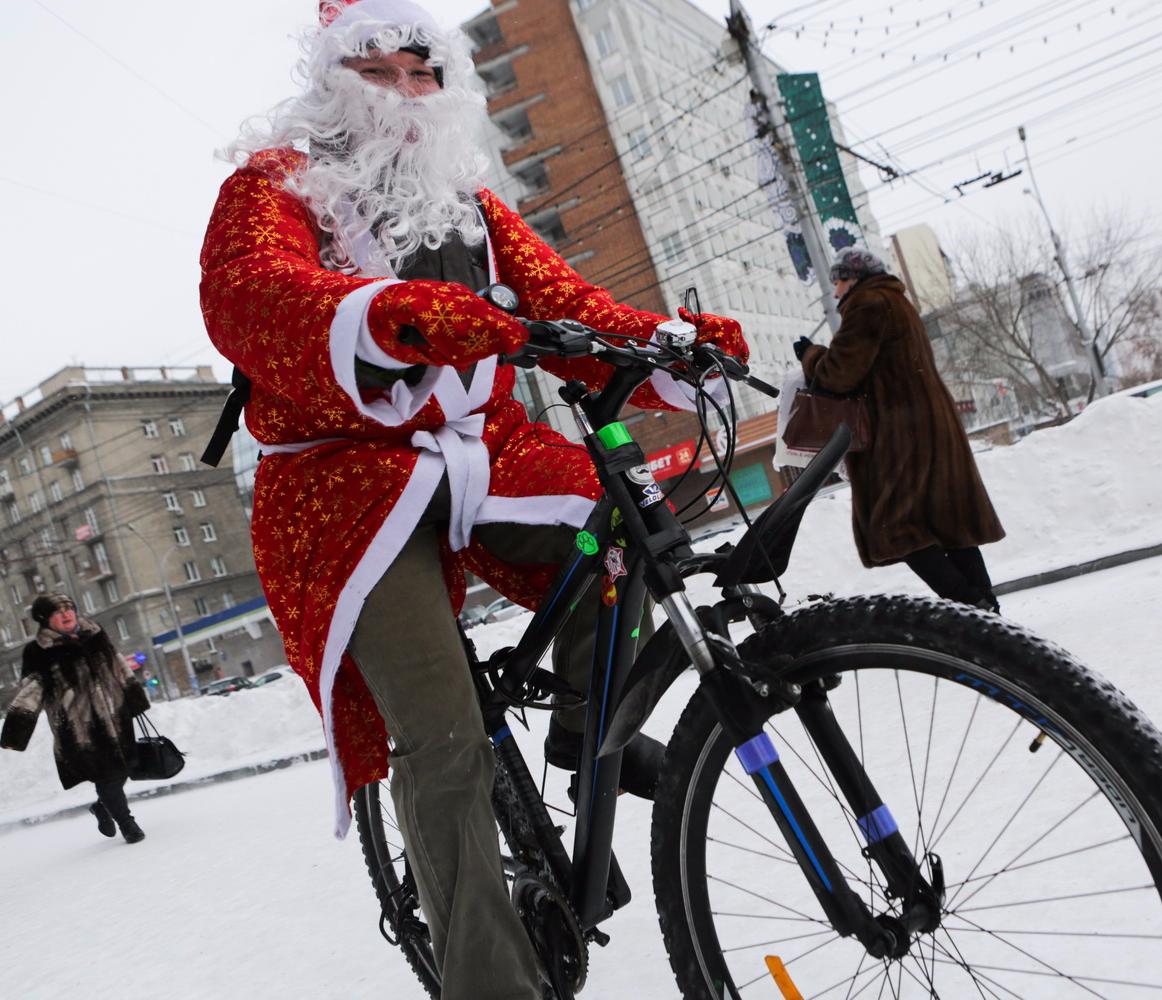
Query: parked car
pixel 267 676
pixel 497 611
pixel 228 685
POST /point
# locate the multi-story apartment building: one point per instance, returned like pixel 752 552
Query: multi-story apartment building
pixel 629 134
pixel 102 496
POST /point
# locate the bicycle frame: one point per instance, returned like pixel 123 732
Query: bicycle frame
pixel 654 545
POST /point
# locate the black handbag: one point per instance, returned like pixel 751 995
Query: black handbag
pixel 816 414
pixel 157 756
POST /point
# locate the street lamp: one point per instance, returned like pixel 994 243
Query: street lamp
pixel 173 611
pixel 1097 372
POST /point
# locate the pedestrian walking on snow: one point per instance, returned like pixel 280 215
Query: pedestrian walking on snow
pixel 916 494
pixel 73 673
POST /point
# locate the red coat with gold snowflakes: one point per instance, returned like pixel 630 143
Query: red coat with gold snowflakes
pixel 346 472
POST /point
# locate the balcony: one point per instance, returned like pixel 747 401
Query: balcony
pixel 66 457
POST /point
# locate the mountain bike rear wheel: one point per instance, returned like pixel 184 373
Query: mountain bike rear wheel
pixel 383 851
pixel 1033 781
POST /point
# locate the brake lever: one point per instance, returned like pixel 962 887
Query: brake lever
pixel 735 368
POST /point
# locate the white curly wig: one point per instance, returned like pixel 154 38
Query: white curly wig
pixel 386 173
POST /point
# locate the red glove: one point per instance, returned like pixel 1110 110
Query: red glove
pixel 455 327
pixel 723 333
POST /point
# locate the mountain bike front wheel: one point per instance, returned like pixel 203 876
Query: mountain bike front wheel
pixel 1032 783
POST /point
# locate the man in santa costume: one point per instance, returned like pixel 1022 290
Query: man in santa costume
pixel 339 272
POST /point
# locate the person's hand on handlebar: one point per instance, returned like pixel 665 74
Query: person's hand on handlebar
pixel 441 323
pixel 717 331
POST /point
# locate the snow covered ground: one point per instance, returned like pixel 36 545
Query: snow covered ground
pixel 239 890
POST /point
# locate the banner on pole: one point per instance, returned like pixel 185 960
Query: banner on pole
pixel 806 113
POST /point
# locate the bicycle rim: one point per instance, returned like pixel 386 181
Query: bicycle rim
pixel 383 851
pixel 1051 856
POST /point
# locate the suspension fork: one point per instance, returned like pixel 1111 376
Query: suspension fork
pixel 922 901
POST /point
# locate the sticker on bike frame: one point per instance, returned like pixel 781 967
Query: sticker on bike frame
pixel 587 543
pixel 615 562
pixel 652 494
pixel 608 592
pixel 640 474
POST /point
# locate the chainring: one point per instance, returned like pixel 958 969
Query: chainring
pixel 555 931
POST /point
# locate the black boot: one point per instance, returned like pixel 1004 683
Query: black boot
pixel 105 825
pixel 641 760
pixel 132 833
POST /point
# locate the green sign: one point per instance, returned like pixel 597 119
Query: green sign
pixel 806 112
pixel 751 484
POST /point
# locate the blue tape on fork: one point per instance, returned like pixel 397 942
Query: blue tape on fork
pixel 877 824
pixel 502 734
pixel 756 753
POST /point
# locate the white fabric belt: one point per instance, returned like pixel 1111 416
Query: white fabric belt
pixel 457 442
pixel 466 461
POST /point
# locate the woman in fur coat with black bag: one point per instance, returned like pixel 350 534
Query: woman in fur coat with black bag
pixel 72 671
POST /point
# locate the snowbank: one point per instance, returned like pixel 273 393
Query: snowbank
pixel 1065 495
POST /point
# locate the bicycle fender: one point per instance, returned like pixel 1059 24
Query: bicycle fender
pixel 657 666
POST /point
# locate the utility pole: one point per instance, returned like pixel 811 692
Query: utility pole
pixel 173 612
pixel 1097 369
pixel 771 114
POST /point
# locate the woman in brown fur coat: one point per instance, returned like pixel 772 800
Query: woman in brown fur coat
pixel 916 494
pixel 90 696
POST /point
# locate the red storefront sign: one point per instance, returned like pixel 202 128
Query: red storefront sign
pixel 672 461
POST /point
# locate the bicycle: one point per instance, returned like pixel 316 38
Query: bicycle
pixel 975 813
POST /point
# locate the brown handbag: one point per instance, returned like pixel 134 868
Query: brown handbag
pixel 816 414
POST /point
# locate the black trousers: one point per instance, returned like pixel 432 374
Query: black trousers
pixel 955 574
pixel 111 794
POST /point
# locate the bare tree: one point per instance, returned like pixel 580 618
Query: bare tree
pixel 1008 320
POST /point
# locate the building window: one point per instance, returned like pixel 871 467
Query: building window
pixel 78 480
pixel 176 427
pixel 6 634
pixel 122 628
pixel 87 602
pixel 14 516
pixel 24 629
pixel 171 502
pixel 57 578
pixel 228 600
pixel 24 463
pixel 45 455
pixel 622 92
pixel 192 572
pixel 149 428
pixel 199 498
pixel 66 442
pixel 160 465
pixel 36 502
pixel 101 557
pixel 91 519
pixel 606 42
pixel 639 144
pixel 201 607
pixel 5 482
pixel 16 592
pixel 110 588
pixel 189 463
pixel 208 532
pixel 55 493
pixel 46 539
pixel 181 536
pixel 218 566
pixel 673 249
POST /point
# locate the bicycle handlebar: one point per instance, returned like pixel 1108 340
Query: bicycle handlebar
pixel 569 338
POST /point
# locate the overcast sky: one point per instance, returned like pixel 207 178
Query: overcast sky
pixel 111 113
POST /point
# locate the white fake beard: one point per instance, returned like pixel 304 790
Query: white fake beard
pixel 400 170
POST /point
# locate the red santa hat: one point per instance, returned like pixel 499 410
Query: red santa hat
pixel 396 13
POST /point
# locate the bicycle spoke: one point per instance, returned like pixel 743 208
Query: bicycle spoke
pixel 767 899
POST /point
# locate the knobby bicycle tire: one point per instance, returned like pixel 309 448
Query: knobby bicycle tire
pixel 974 675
